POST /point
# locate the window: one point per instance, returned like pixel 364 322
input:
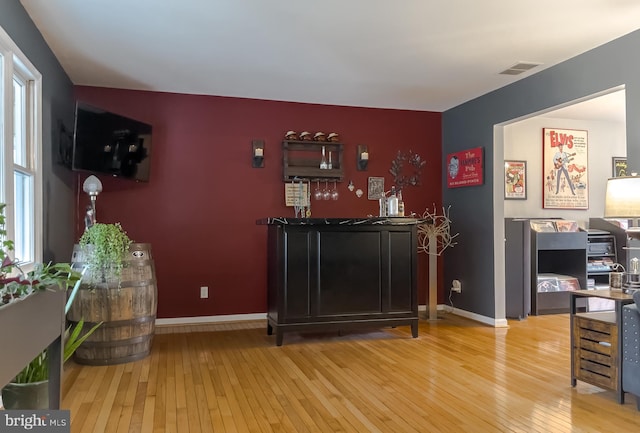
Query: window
pixel 20 159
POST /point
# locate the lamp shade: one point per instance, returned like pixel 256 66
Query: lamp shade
pixel 92 185
pixel 622 198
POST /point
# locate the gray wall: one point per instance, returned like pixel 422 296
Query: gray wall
pixel 57 117
pixel 472 124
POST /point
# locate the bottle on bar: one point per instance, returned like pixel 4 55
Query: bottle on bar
pixel 392 203
pixel 323 161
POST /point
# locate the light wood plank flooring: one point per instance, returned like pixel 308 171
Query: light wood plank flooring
pixel 458 376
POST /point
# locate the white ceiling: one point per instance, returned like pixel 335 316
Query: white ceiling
pixel 406 54
pixel 609 108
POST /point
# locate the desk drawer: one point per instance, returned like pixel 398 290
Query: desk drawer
pixel 595 352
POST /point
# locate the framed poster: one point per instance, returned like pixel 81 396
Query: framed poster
pixel 296 194
pixel 619 166
pixel 375 188
pixel 515 180
pixel 465 168
pixel 565 175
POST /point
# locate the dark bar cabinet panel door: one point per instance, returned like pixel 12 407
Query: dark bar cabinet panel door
pixel 402 283
pixel 299 278
pixel 350 273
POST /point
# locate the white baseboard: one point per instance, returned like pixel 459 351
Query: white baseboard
pixel 497 323
pixel 210 319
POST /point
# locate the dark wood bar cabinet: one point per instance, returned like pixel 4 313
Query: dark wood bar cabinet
pixel 341 273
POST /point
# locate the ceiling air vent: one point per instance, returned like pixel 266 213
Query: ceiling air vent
pixel 519 68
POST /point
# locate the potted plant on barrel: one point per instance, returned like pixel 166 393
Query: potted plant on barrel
pixel 29 388
pixel 119 288
pixel 104 248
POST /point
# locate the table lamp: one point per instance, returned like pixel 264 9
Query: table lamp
pixel 622 199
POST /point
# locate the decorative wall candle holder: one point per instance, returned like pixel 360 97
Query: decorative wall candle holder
pixel 257 154
pixel 362 157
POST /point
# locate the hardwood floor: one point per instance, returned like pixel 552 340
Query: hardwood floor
pixel 457 376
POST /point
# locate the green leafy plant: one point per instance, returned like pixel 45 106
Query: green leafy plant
pixel 16 285
pixel 7 244
pixel 38 369
pixel 106 246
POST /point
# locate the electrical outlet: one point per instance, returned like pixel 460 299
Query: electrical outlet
pixel 456 286
pixel 204 292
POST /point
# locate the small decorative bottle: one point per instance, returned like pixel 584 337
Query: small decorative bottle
pixel 323 161
pixel 383 206
pixel 400 204
pixel 392 203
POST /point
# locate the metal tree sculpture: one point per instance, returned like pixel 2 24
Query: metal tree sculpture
pixel 434 236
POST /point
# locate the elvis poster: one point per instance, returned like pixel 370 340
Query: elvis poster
pixel 565 175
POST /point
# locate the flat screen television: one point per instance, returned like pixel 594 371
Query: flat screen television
pixel 109 143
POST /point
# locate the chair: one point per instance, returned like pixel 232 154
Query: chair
pixel 631 348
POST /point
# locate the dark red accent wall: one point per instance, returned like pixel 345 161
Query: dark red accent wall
pixel 199 209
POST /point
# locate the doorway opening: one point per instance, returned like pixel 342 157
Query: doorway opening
pixel 603 116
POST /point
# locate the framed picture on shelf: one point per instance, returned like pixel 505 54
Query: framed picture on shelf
pixel 565 175
pixel 619 166
pixel 515 180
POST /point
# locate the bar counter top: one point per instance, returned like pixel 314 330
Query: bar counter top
pixel 403 221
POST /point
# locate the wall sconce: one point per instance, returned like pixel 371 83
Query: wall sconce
pixel 257 154
pixel 363 157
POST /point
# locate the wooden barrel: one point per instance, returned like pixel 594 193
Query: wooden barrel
pixel 127 307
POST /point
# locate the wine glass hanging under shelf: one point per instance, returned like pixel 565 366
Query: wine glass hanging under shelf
pixel 304 160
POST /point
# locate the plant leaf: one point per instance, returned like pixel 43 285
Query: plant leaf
pixel 73 342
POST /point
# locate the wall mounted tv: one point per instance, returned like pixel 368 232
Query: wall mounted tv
pixel 109 143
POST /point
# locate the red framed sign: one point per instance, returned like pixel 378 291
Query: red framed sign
pixel 465 168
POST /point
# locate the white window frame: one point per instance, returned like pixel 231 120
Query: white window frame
pixel 14 62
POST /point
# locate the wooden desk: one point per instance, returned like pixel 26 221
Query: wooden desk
pixel 596 345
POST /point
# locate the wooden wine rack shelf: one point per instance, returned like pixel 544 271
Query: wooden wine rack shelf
pixel 301 160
